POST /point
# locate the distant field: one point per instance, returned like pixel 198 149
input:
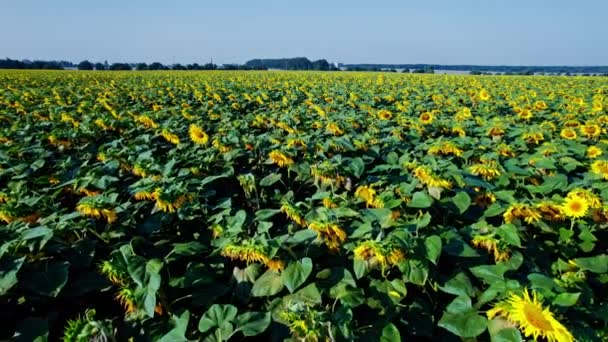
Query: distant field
pixel 173 206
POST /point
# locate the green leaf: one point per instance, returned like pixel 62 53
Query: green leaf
pixel 357 166
pixel 459 285
pixel 462 201
pixel 270 179
pixel 596 264
pixel 296 273
pixel 433 248
pixel 252 323
pixel 390 333
pixel 501 331
pixel 510 234
pixel 489 273
pixel 464 325
pixel 49 279
pixel 460 304
pixel 566 299
pixel 32 330
pixel 216 316
pixel 9 267
pixel 420 199
pixel 269 284
pixel 188 248
pixel 265 214
pixel 153 268
pixel 180 325
pixel 414 271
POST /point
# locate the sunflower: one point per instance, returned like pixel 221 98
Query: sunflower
pixel 275 264
pixel 427 118
pixel 594 152
pixel 248 252
pixel 550 211
pixel 485 199
pixel 530 317
pixel 89 210
pixel 376 254
pixel 491 245
pixel 484 95
pixel 368 194
pixel 520 211
pixel 600 168
pixel 568 133
pixel 426 177
pixel 279 158
pixel 385 115
pixel 334 129
pixel 446 148
pixel 575 207
pixel 198 135
pixel 170 137
pixel 293 213
pixel 330 233
pixel 590 130
pixel 488 172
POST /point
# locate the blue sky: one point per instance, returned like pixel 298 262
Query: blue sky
pixel 515 32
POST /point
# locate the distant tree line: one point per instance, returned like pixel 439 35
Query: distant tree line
pixel 26 64
pixel 503 69
pixel 86 65
pixel 297 63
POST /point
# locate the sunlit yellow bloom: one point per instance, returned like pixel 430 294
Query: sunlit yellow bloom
pixel 527 313
pixel 279 158
pixel 198 135
pixel 568 133
pixel 591 130
pixel 594 152
pixel 600 168
pixel 484 95
pixel 145 196
pixel 385 115
pixel 427 118
pixel 575 207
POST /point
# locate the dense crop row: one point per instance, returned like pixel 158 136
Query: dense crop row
pixel 317 206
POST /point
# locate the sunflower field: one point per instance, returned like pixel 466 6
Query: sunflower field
pixel 302 206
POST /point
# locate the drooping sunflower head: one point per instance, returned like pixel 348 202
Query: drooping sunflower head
pixel 279 158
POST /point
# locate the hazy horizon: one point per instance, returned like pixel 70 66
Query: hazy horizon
pixel 517 33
